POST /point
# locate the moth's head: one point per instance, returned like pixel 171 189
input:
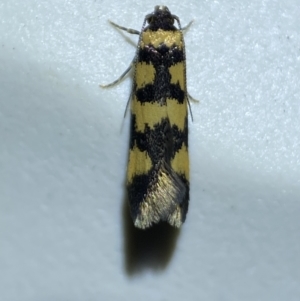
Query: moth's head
pixel 161 18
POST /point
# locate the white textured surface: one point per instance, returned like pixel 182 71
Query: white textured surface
pixel 63 158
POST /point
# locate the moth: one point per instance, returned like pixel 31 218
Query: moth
pixel 158 165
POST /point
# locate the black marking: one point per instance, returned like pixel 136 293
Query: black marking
pixel 179 137
pixel 160 143
pixel 159 92
pixel 161 55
